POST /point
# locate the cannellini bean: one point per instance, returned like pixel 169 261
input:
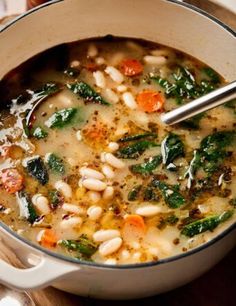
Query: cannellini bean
pixel 94 212
pixel 104 235
pixel 64 188
pixel 40 235
pixel 72 208
pixel 79 135
pixel 108 193
pixel 121 88
pixel 129 100
pixel 100 80
pixel 114 74
pixel 102 157
pixel 41 203
pixel 110 246
pixel 108 172
pixel 153 251
pixel 155 60
pixel 111 261
pixel 125 254
pixel 100 60
pixel 71 223
pixel 94 184
pixel 94 196
pixel 74 64
pixel 148 210
pixel 114 161
pixel 113 146
pixel 92 50
pixel 136 256
pixel 91 173
pixel 111 96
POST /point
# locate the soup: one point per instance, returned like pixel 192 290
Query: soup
pixel 88 169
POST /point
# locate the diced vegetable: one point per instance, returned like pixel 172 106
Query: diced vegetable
pixel 131 67
pixel 39 133
pixel 137 137
pixel 87 93
pixel 12 180
pixel 83 246
pixel 135 221
pixel 55 198
pixel 37 169
pixel 61 118
pixel 151 194
pixel 150 101
pixel 134 193
pixel 206 224
pixel 148 166
pixel 26 207
pixel 55 163
pixel 133 151
pixel 171 148
pixel 172 197
pixel 48 238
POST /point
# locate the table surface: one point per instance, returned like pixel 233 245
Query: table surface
pixel 215 288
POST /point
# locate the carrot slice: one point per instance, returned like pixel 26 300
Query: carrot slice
pixel 135 221
pixel 48 238
pixel 150 101
pixel 12 180
pixel 131 67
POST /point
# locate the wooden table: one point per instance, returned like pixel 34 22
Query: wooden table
pixel 215 288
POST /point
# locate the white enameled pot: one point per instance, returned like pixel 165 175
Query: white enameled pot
pixel 169 23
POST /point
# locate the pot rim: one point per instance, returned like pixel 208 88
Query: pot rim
pixel 125 266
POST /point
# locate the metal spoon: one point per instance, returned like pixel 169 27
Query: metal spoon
pixel 200 105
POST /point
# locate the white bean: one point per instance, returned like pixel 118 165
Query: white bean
pixel 108 193
pixel 110 246
pixel 113 146
pixel 136 256
pixel 92 50
pixel 121 88
pixel 91 173
pixel 148 210
pixel 125 254
pixel 155 60
pixel 111 96
pixel 113 161
pixel 94 212
pixel 102 157
pixel 72 208
pixel 71 223
pixel 100 60
pixel 104 235
pixel 129 100
pixel 94 184
pixel 108 172
pixel 79 135
pixel 94 196
pixel 111 261
pixel 74 64
pixel 100 80
pixel 41 203
pixel 64 188
pixel 40 235
pixel 114 74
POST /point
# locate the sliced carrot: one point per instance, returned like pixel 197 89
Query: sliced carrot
pixel 12 180
pixel 135 221
pixel 131 67
pixel 96 131
pixel 150 101
pixel 48 238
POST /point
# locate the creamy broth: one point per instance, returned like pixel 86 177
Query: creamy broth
pixel 89 171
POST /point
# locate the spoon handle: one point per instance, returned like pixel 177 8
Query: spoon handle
pixel 202 104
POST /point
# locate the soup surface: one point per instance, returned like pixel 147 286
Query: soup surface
pixel 87 168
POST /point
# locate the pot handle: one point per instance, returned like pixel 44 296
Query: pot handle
pixel 43 271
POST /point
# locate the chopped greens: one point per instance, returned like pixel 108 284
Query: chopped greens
pixel 172 197
pixel 148 166
pixel 26 207
pixel 36 168
pixel 133 151
pixel 137 137
pixel 55 198
pixel 39 133
pixel 46 91
pixel 134 193
pixel 55 163
pixel 211 74
pixel 171 148
pixel 61 118
pixel 83 246
pixel 87 93
pixel 205 224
